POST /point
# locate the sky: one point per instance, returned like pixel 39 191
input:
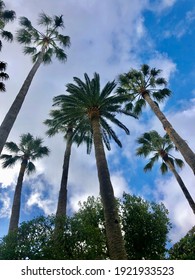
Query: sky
pixel 108 37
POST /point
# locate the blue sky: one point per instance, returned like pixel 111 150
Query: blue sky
pixel 109 37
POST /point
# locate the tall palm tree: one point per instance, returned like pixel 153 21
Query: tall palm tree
pixel 42 46
pixel 152 142
pixel 67 130
pixel 145 86
pixel 92 109
pixel 28 150
pixel 5 17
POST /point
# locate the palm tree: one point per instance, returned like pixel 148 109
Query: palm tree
pixel 5 17
pixel 91 110
pixel 67 130
pixel 42 46
pixel 28 150
pixel 141 88
pixel 152 142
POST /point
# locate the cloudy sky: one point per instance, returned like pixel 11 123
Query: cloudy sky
pixel 109 37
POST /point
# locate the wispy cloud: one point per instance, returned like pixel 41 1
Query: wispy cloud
pixel 181 27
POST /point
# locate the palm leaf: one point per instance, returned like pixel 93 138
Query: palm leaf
pixel 4 76
pixel 179 162
pixel 60 54
pixel 6 35
pixel 12 147
pixel 148 166
pixel 23 36
pixel 30 168
pixel 3 66
pixel 58 21
pixel 138 107
pixel 2 87
pixel 8 15
pixel 155 72
pixel 25 22
pixel 161 82
pixel 44 19
pixel 47 56
pixel 145 69
pixel 161 95
pixel 63 40
pixel 163 168
pixel 9 160
pixel 30 50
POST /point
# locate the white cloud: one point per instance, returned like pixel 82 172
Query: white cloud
pixel 180 213
pixel 5 203
pixel 160 6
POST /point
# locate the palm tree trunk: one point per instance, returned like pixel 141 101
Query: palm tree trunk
pixel 15 214
pixel 12 114
pixel 181 145
pixel 182 185
pixel 114 236
pixel 62 200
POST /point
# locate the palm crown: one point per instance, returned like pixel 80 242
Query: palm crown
pixel 54 126
pixel 136 84
pixel 152 142
pixel 5 17
pixel 28 150
pixel 85 101
pixel 50 42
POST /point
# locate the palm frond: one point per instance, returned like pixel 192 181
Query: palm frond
pixel 138 107
pixel 63 40
pixel 6 35
pixel 30 50
pixel 163 168
pixel 8 15
pixel 12 147
pixel 155 72
pixel 58 21
pixel 44 19
pixel 4 76
pixel 106 139
pixel 3 66
pixel 9 160
pixel 47 56
pixel 25 23
pixel 145 69
pixel 23 36
pixel 161 81
pixel 179 162
pixel 110 132
pixel 148 166
pixel 2 87
pixel 30 168
pixel 60 54
pixel 161 94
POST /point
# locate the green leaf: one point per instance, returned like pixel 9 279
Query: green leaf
pixel 25 22
pixel 23 36
pixel 179 162
pixel 30 50
pixel 145 69
pixel 44 19
pixel 7 35
pixel 60 54
pixel 163 168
